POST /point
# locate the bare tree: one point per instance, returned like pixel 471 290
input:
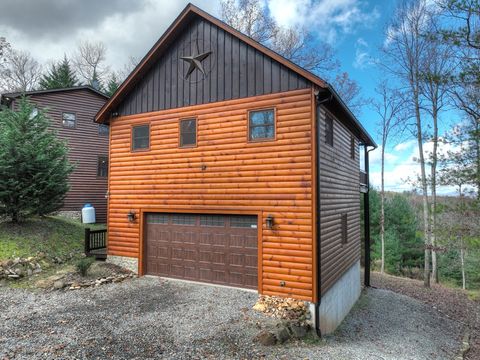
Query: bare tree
pixel 435 85
pixel 406 51
pixel 350 92
pixel 19 71
pixel 295 44
pixel 89 61
pixel 389 108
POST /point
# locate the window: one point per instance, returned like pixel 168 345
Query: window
pixel 103 129
pixel 212 220
pixel 182 219
pixel 261 125
pixel 157 219
pixel 33 114
pixel 188 132
pixel 352 147
pixel 69 120
pixel 243 221
pixel 102 166
pixel 344 229
pixel 329 130
pixel 141 137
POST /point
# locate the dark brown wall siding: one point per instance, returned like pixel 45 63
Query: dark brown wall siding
pixel 339 194
pixel 84 143
pixel 239 71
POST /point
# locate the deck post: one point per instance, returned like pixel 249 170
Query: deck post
pixel 87 241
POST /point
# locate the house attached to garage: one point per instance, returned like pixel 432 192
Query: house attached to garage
pixel 231 165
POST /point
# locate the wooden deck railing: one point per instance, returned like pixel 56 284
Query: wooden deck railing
pixel 363 181
pixel 95 240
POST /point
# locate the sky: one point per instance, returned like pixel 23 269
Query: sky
pixel 48 29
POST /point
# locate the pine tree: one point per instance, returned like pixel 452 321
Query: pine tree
pixel 59 76
pixel 34 167
pixel 112 85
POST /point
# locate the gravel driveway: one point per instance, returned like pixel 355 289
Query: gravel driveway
pixel 153 318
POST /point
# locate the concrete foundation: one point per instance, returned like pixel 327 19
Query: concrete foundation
pixel 128 263
pixel 339 299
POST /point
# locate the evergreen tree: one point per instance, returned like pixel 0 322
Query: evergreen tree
pixel 113 84
pixel 59 76
pixel 34 167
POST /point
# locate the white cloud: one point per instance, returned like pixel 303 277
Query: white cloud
pixel 362 55
pixel 329 17
pixel 126 33
pixel 405 145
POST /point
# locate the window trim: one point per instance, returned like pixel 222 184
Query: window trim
pixel 329 140
pixel 272 108
pixel 149 137
pixel 180 132
pixel 98 167
pixel 73 113
pixel 353 145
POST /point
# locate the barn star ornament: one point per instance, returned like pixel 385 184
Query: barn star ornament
pixel 195 62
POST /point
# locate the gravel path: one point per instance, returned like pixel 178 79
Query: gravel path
pixel 153 318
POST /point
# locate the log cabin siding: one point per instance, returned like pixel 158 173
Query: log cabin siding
pixel 339 194
pixel 237 70
pixel 84 145
pixel 268 177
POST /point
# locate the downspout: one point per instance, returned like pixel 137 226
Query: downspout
pixel 366 218
pixel 317 215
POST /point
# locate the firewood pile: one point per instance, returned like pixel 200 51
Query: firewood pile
pixel 283 308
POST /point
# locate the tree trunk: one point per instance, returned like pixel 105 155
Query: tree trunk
pixel 433 214
pixel 382 210
pixel 426 220
pixel 462 262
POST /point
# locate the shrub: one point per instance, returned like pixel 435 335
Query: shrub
pixel 84 264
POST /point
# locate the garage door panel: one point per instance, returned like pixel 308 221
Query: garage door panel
pixel 220 249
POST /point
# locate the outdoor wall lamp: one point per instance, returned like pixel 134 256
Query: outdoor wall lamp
pixel 131 216
pixel 269 221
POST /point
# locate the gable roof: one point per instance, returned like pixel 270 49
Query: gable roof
pixel 168 37
pixel 14 95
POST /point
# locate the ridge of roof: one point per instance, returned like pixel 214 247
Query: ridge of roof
pixel 35 92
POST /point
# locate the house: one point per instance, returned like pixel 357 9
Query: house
pixel 231 165
pixel 72 111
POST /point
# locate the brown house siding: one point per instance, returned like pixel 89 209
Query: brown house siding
pixel 268 178
pixel 84 144
pixel 237 71
pixel 339 194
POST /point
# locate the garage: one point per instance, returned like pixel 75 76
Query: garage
pixel 218 249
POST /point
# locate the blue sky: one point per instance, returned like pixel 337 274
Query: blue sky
pixel 49 29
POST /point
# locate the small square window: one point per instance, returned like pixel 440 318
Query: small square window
pixel 352 147
pixel 102 166
pixel 261 125
pixel 188 132
pixel 344 228
pixel 69 120
pixel 141 137
pixel 329 130
pixel 103 129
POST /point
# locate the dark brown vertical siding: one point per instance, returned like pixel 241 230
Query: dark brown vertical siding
pixel 339 194
pixel 84 144
pixel 238 71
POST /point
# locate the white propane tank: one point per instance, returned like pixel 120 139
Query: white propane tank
pixel 88 214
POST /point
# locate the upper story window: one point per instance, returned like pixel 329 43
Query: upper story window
pixel 352 147
pixel 69 120
pixel 188 132
pixel 261 125
pixel 102 166
pixel 103 129
pixel 329 130
pixel 141 137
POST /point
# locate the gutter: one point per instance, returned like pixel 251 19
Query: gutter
pixel 318 102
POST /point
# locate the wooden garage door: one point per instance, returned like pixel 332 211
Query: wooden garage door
pixel 219 249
